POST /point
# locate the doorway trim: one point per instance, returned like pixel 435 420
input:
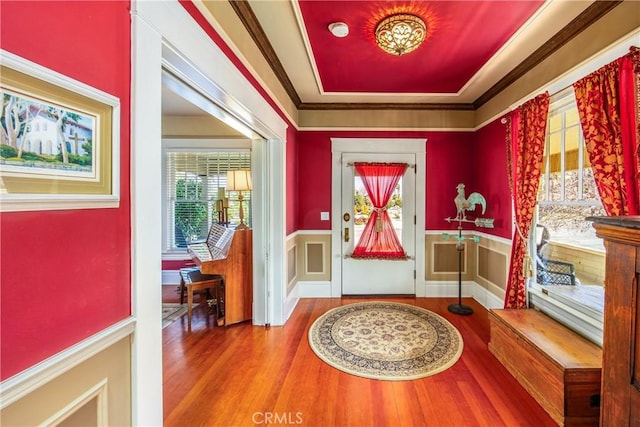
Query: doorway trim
pixel 164 33
pixel 339 146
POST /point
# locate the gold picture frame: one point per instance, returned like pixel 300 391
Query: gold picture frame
pixel 60 140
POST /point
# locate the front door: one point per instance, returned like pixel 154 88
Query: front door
pixel 364 276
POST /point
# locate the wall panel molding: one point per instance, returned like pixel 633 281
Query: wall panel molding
pixel 314 260
pixel 98 392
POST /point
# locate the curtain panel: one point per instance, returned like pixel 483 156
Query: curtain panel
pixel 608 108
pixel 379 239
pixel 525 148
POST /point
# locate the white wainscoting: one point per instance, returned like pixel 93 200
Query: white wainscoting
pixel 448 289
pixel 486 298
pixel 470 289
pixel 98 392
pixel 29 380
pixel 314 289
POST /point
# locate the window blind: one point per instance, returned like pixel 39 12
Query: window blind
pixel 194 182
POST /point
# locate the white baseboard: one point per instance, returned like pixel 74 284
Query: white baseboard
pixel 435 289
pixel 170 277
pixel 290 302
pixel 432 289
pixel 470 289
pixel 486 298
pixel 314 289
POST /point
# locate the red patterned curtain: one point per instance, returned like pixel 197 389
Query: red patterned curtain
pixel 379 239
pixel 607 108
pixel 525 147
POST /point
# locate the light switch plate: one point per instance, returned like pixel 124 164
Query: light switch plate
pixel 324 216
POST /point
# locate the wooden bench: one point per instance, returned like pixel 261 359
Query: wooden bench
pixel 192 280
pixel 558 367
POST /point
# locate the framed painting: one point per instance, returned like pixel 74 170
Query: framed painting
pixel 59 140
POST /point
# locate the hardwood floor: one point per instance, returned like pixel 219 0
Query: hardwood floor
pixel 248 375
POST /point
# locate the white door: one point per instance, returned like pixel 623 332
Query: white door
pixel 377 276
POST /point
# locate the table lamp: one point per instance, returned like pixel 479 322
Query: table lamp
pixel 239 180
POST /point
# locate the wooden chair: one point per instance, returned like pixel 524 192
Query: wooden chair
pixel 193 281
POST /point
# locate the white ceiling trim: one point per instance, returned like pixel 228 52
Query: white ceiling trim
pixel 307 44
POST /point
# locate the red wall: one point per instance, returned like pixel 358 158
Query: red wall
pixel 65 275
pixel 490 176
pixel 449 161
pixel 314 178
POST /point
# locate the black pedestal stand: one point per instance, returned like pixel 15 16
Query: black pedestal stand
pixel 459 308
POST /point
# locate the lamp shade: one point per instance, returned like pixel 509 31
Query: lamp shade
pixel 239 180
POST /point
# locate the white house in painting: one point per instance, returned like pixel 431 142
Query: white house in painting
pixel 41 136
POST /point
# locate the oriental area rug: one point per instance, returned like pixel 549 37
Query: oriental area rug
pixel 385 341
pixel 172 312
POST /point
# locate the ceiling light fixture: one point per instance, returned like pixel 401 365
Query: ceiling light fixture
pixel 339 29
pixel 400 34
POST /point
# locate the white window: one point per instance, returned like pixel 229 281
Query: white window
pixel 568 257
pixel 195 183
pixel 568 194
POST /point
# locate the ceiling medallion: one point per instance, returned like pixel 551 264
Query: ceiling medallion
pixel 400 34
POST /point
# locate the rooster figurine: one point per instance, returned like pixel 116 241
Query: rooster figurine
pixel 469 204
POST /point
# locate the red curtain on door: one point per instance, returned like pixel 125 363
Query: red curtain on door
pixel 608 112
pixel 379 239
pixel 525 147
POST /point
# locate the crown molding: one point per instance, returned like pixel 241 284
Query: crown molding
pixel 253 27
pixel 581 22
pixel 590 15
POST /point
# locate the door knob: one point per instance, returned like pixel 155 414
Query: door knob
pixel 346 234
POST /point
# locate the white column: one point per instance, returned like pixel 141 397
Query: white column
pixel 146 224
